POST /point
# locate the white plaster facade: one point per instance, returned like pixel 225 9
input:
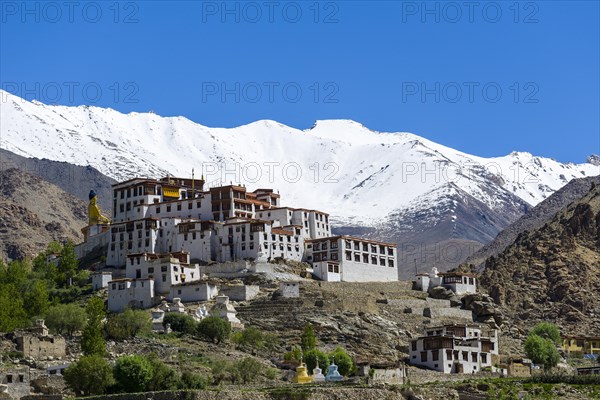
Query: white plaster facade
pixel 455 348
pixel 193 291
pixel 100 280
pixel 458 282
pixel 359 260
pixel 134 293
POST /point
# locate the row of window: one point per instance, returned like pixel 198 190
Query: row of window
pixel 178 206
pixel 366 246
pixel 452 355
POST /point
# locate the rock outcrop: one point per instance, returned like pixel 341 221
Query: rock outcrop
pixel 552 273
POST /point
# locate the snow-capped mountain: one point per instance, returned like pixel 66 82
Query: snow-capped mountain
pixel 398 183
pixel 339 166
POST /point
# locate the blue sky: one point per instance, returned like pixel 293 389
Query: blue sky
pixel 486 79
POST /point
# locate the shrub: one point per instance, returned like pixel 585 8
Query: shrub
pixel 133 373
pixel 214 328
pixel 249 338
pixel 223 370
pixel 180 322
pixel 293 355
pixel 343 361
pixel 190 380
pixel 249 369
pixel 90 375
pixel 313 356
pixel 163 376
pixel 129 323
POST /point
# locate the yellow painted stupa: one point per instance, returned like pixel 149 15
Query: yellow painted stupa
pixel 302 374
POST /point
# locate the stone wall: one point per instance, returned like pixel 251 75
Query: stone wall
pixel 322 393
pixel 16 381
pixel 418 375
pixel 441 313
pixel 240 292
pixel 41 347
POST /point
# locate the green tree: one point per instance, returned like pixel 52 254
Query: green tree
pixel 541 351
pixel 36 298
pixel 343 361
pixel 129 323
pixel 307 339
pixel 313 356
pixel 214 328
pixel 163 376
pixel 92 340
pixel 65 318
pixel 132 373
pixel 547 331
pixel 89 376
pixel 249 369
pixel 180 323
pixel 12 312
pixel 67 265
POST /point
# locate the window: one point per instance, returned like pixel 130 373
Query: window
pixel 349 256
pixel 185 236
pixel 147 242
pixel 435 355
pixel 151 270
pixel 178 206
pixel 374 260
pixel 169 208
pixel 413 345
pixel 365 247
pixel 465 355
pixel 423 356
pixel 391 263
pixel 365 258
pixel 158 210
pixel 193 235
pixel 474 356
pixel 449 354
pixel 382 262
pixel 9 379
pixel 390 251
pixel 356 257
pixel 483 358
pixel 334 256
pixel 190 205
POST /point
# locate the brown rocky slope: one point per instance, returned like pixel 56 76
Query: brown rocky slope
pixel 34 212
pixel 553 273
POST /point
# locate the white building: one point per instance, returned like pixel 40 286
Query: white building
pixel 162 228
pixel 458 282
pixel 193 291
pixel 165 269
pixel 100 280
pixel 455 348
pixel 352 259
pixel 133 293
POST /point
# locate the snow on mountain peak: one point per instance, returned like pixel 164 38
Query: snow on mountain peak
pixel 339 166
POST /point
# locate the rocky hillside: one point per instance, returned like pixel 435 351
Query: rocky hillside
pixel 71 178
pixel 552 273
pixel 535 217
pixel 34 212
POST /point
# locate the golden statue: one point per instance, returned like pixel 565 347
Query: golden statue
pixel 94 211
